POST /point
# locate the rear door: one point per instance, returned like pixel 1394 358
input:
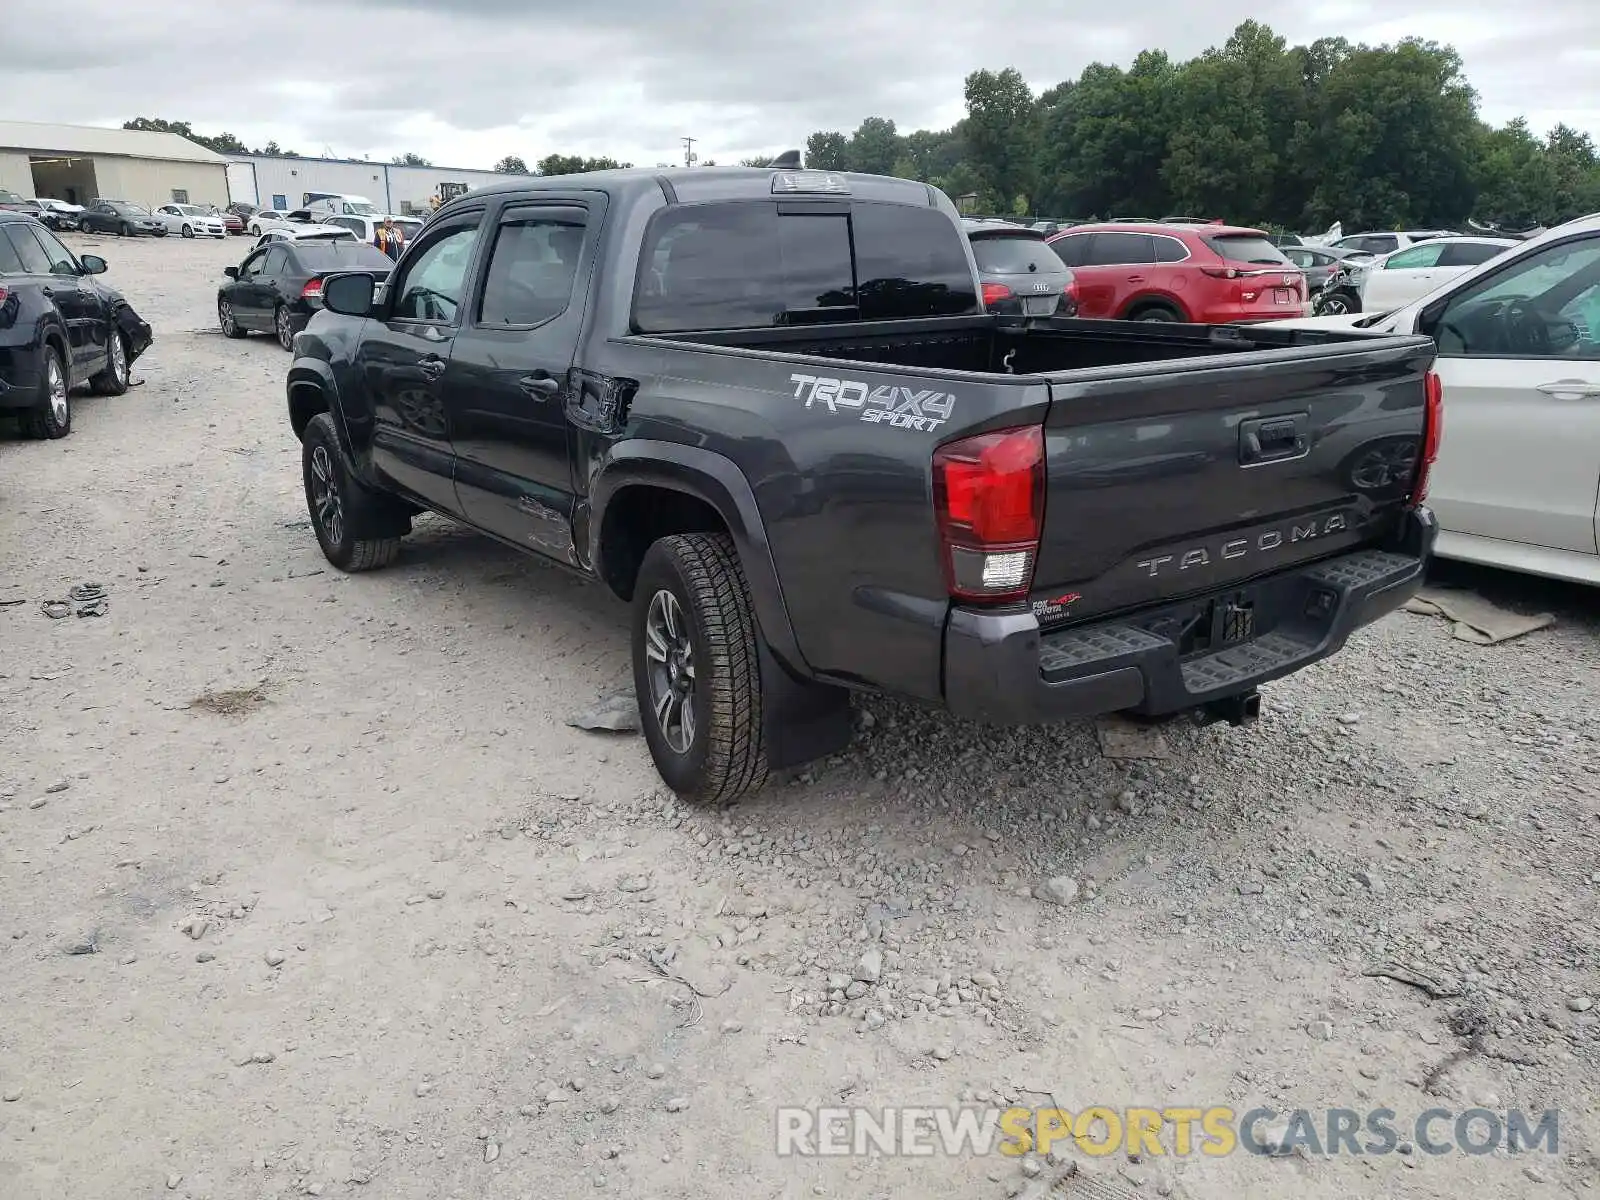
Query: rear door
pixel 1519 356
pixel 1171 478
pixel 404 355
pixel 1115 266
pixel 510 384
pixel 1401 277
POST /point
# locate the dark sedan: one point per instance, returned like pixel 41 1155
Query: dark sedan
pixel 121 218
pixel 278 287
pixel 59 327
pixel 1318 263
pixel 1022 275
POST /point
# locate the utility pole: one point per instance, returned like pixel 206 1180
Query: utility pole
pixel 689 156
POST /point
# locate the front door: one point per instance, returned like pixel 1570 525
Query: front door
pixel 1519 358
pixel 75 298
pixel 507 386
pixel 405 351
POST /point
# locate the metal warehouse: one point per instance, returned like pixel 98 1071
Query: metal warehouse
pixel 278 182
pixel 80 163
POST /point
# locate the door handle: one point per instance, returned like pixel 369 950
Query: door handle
pixel 1570 389
pixel 1135 278
pixel 431 367
pixel 539 386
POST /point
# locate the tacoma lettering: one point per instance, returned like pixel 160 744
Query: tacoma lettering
pixel 1261 543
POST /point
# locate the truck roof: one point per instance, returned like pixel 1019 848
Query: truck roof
pixel 699 184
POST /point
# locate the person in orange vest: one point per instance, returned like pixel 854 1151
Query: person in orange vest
pixel 389 239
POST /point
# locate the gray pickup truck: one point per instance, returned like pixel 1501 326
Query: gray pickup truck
pixel 766 407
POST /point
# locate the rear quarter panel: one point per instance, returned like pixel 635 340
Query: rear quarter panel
pixel 839 457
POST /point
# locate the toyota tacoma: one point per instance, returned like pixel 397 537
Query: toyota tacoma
pixel 767 409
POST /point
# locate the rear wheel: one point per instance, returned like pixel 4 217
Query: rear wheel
pixel 188 231
pixel 125 230
pixel 696 668
pixel 358 529
pixel 113 381
pixel 1155 312
pixel 1337 304
pixel 51 417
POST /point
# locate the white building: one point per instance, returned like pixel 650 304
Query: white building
pixel 282 183
pixel 80 163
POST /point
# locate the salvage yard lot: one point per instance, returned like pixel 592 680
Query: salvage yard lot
pixel 306 886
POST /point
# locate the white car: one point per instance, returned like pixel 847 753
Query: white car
pixel 299 232
pixel 1518 474
pixel 191 220
pixel 62 215
pixel 264 219
pixel 365 227
pixel 1399 278
pixel 1377 242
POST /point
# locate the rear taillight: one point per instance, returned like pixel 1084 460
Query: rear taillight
pixel 993 293
pixel 1221 272
pixel 312 290
pixel 988 495
pixel 1069 300
pixel 1432 431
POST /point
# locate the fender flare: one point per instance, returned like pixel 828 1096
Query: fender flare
pixel 716 480
pixel 305 372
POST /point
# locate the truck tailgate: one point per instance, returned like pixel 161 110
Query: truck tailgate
pixel 1169 478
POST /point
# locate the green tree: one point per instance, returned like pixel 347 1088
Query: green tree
pixel 874 147
pixel 410 159
pixel 576 164
pixel 222 143
pixel 1000 131
pixel 511 165
pixel 827 151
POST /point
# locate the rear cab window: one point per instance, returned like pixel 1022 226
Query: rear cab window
pixel 818 263
pixel 1000 255
pixel 1250 248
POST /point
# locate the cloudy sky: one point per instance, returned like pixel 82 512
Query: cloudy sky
pixel 464 82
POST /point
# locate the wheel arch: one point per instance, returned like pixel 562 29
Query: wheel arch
pixel 651 489
pixel 1165 300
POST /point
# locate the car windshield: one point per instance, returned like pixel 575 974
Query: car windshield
pixel 360 209
pixel 192 210
pixel 1015 255
pixel 131 210
pixel 9 197
pixel 1247 248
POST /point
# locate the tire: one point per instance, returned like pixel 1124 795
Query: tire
pixel 188 232
pixel 125 230
pixel 282 327
pixel 1155 312
pixel 227 321
pixel 52 417
pixel 344 513
pixel 113 381
pixel 709 668
pixel 1337 304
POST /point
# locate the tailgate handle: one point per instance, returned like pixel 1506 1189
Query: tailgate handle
pixel 1272 439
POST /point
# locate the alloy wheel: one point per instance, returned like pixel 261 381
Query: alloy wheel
pixel 669 651
pixel 56 381
pixel 225 317
pixel 285 329
pixel 327 506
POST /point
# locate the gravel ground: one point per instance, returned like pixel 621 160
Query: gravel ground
pixel 306 886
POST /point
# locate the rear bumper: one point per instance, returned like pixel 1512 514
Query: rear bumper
pixel 1001 668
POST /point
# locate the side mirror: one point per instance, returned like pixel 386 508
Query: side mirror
pixel 92 264
pixel 349 294
pixel 231 272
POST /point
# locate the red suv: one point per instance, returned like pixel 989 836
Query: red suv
pixel 1206 273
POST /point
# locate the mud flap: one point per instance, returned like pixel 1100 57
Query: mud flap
pixel 801 721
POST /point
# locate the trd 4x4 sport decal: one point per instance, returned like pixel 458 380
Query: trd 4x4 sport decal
pixel 902 407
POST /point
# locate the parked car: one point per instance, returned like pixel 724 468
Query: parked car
pixel 1387 241
pixel 11 202
pixel 1396 279
pixel 278 286
pixel 190 220
pixel 58 214
pixel 1519 364
pixel 1207 273
pixel 242 209
pixel 1319 264
pixel 232 223
pixel 61 327
pixel 829 468
pixel 294 233
pixel 1020 274
pixel 121 218
pixel 1283 240
pixel 264 219
pixel 366 227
